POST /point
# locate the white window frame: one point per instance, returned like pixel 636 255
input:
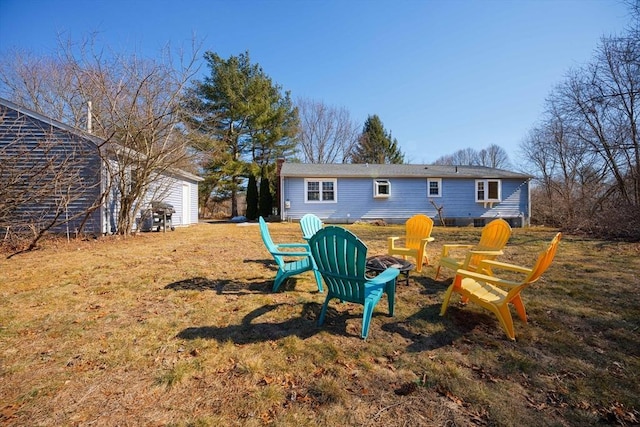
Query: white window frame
pixel 321 182
pixel 482 185
pixel 381 183
pixel 435 180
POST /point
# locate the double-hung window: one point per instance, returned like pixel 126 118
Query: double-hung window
pixel 434 187
pixel 320 190
pixel 488 190
pixel 381 188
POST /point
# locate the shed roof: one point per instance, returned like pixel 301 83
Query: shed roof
pixel 348 170
pixel 98 142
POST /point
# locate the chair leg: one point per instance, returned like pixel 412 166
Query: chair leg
pixel 418 265
pixel 390 290
pixel 445 302
pixel 366 318
pixel 519 305
pixel 437 272
pixel 504 316
pixel 323 312
pixel 318 280
pixel 280 277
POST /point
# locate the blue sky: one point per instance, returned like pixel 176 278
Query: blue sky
pixel 441 75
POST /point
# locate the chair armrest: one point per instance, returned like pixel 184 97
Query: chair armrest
pixel 293 245
pixel 427 240
pixel 483 252
pixel 486 278
pixel 384 277
pixel 391 243
pixel 505 266
pixel 285 253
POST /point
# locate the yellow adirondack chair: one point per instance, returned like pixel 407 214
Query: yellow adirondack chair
pixel 495 294
pixel 493 239
pixel 417 235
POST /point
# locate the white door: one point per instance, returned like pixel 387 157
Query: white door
pixel 186 204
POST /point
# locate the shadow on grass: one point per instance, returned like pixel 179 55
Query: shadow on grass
pixel 231 287
pixel 426 330
pixel 249 331
pixel 415 328
pixel 221 286
pixel 430 286
pixel 267 263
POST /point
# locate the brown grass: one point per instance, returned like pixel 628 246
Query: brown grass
pixel 182 329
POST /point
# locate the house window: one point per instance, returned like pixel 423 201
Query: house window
pixel 320 190
pixel 434 187
pixel 488 190
pixel 381 188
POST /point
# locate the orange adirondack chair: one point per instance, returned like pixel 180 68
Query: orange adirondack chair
pixel 493 239
pixel 417 235
pixel 495 294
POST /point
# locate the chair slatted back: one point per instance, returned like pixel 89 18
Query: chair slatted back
pixel 310 224
pixel 417 228
pixel 494 237
pixel 341 259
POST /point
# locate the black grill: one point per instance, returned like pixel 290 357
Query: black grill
pixel 161 216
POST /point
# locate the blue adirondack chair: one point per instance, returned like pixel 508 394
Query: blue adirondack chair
pixel 292 258
pixel 341 259
pixel 310 224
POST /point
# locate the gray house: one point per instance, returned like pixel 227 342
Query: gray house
pixel 344 193
pixel 36 150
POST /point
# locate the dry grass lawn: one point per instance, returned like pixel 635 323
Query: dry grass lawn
pixel 181 329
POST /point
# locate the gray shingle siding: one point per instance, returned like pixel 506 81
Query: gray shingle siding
pixel 35 155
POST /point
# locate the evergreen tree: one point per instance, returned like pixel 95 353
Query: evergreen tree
pixel 375 145
pixel 238 116
pixel 252 198
pixel 266 199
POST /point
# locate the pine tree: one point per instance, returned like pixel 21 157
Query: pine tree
pixel 266 199
pixel 252 198
pixel 238 116
pixel 375 145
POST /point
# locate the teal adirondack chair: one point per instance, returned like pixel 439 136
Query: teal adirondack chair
pixel 292 258
pixel 310 224
pixel 341 259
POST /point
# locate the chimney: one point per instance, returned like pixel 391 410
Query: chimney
pixel 89 116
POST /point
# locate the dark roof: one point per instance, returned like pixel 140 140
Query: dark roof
pixel 347 170
pixel 51 122
pixel 98 142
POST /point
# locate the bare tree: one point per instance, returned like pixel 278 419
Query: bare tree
pixel 464 157
pixel 135 110
pixel 326 134
pixel 588 148
pixel 602 103
pixel 494 156
pixel 569 183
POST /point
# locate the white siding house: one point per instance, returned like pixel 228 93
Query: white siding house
pixel 29 139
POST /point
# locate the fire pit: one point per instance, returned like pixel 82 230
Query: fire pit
pixel 379 263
